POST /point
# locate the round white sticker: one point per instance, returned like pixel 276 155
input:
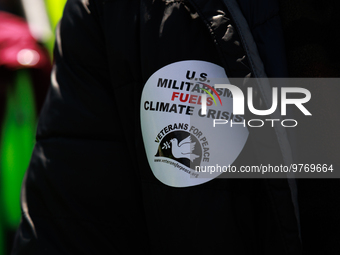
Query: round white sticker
pixel 184 121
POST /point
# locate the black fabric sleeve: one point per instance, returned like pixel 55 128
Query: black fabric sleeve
pixel 79 197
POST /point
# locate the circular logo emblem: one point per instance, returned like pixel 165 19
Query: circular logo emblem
pixel 179 109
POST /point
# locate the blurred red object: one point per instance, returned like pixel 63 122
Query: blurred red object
pixel 18 49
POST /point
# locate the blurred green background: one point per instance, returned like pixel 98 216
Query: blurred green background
pixel 19 114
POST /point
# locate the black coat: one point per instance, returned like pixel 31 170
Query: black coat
pixel 89 188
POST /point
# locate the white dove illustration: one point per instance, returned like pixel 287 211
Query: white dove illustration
pixel 183 149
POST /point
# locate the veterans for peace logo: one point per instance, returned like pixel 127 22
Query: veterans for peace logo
pixel 178 136
pixel 181 146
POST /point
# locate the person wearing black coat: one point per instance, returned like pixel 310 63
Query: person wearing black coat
pixel 95 185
